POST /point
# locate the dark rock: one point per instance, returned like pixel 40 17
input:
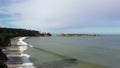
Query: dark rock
pixel 3 57
pixel 2 65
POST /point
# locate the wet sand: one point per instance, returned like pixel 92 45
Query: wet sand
pixel 16 57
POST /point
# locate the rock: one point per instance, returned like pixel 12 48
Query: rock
pixel 3 57
pixel 2 65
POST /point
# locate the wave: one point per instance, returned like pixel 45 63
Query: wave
pixel 25 57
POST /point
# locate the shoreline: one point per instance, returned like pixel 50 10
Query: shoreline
pixel 16 57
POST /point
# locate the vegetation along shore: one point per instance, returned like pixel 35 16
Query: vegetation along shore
pixel 6 34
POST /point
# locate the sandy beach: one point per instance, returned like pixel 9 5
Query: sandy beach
pixel 16 57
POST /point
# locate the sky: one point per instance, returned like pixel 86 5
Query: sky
pixel 62 16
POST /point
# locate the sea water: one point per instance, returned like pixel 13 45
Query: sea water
pixel 75 52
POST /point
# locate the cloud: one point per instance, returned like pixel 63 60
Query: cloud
pixel 62 14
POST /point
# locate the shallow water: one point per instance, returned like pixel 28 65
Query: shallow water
pixel 75 52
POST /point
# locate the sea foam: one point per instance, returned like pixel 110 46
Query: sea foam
pixel 25 57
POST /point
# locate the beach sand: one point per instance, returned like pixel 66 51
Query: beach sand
pixel 16 57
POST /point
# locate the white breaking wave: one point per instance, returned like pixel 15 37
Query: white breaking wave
pixel 30 46
pixel 23 47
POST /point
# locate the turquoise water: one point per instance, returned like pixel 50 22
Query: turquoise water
pixel 75 52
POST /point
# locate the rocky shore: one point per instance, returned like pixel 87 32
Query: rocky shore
pixel 15 55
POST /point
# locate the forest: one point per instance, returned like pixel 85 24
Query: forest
pixel 7 33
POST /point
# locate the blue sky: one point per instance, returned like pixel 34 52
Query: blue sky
pixel 62 16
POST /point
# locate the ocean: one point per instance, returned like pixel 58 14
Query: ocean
pixel 75 52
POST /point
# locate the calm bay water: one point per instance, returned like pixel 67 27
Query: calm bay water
pixel 75 52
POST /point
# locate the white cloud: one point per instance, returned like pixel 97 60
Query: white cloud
pixel 58 14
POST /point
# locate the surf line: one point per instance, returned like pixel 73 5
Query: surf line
pixel 23 47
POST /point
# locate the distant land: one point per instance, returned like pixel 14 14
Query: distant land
pixel 78 35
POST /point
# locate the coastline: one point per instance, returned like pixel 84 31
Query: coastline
pixel 16 57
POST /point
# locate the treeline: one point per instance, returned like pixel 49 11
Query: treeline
pixel 18 32
pixel 7 33
pixel 78 35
